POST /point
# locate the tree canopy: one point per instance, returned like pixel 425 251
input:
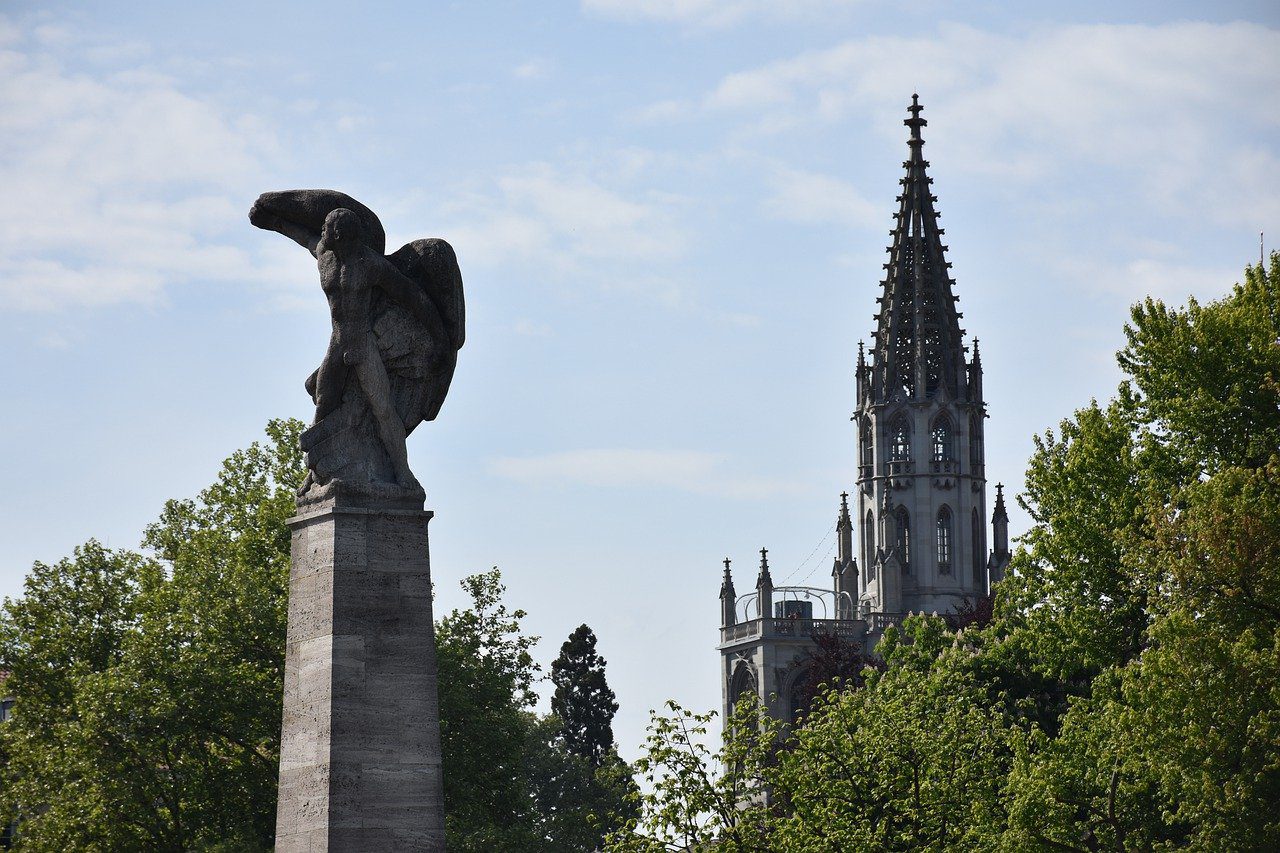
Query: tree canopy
pixel 1125 692
pixel 148 692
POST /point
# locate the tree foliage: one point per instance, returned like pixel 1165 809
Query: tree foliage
pixel 1122 694
pixel 147 712
pixel 583 701
pixel 148 692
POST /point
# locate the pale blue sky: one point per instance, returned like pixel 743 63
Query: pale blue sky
pixel 670 215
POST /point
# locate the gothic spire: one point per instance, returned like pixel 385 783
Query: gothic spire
pixel 918 336
pixel 765 578
pixel 726 585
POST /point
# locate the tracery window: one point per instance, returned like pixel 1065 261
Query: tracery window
pixel 944 541
pixel 975 440
pixel 943 440
pixel 902 521
pixel 868 448
pixel 978 550
pixel 900 440
pixel 869 543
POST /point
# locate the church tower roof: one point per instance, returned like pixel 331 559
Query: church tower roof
pixel 918 348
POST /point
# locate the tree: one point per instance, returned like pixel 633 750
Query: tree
pixel 694 797
pixel 833 663
pixel 583 701
pixel 148 691
pixel 1122 695
pixel 147 702
pixel 486 686
pixel 914 760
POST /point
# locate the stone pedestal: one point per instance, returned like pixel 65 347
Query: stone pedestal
pixel 360 742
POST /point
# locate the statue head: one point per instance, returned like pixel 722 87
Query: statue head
pixel 341 230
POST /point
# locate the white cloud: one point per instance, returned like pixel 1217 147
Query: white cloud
pixel 661 112
pixel 118 184
pixel 1176 110
pixel 565 221
pixel 811 198
pixel 531 328
pixel 680 470
pixel 1145 276
pixel 714 13
pixel 534 69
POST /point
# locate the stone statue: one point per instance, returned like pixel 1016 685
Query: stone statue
pixel 398 322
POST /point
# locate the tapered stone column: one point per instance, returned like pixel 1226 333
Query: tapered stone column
pixel 360 744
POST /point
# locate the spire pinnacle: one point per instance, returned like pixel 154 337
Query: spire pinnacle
pixel 999 512
pixel 726 585
pixel 765 578
pixel 918 351
pixel 915 123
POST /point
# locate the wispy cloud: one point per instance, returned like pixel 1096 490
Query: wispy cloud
pixel 118 185
pixel 679 470
pixel 581 226
pixel 714 13
pixel 812 198
pixel 1174 109
pixel 534 69
pixel 1146 276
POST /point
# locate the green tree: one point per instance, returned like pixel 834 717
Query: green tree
pixel 915 760
pixel 583 701
pixel 486 687
pixel 1179 744
pixel 698 798
pixel 147 712
pixel 1125 694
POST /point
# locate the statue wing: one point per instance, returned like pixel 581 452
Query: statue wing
pixel 421 364
pixel 299 215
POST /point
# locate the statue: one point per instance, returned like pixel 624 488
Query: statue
pixel 398 322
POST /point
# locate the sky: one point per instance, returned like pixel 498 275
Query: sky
pixel 671 217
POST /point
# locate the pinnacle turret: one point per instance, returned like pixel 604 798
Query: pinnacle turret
pixel 728 598
pixel 764 578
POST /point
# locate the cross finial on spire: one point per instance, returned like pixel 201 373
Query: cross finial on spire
pixel 726 565
pixel 765 578
pixel 915 122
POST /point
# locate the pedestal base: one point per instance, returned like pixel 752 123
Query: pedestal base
pixel 360 741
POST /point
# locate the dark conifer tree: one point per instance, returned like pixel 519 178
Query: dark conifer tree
pixel 583 701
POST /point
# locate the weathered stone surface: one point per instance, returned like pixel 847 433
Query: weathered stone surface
pixel 398 322
pixel 360 743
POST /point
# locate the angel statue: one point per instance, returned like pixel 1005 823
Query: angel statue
pixel 397 327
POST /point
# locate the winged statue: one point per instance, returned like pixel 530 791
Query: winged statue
pixel 398 323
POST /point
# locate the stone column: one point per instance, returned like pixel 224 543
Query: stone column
pixel 360 741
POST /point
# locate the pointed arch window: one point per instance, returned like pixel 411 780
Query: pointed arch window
pixel 869 544
pixel 975 440
pixel 943 440
pixel 902 521
pixel 900 440
pixel 978 550
pixel 945 541
pixel 866 447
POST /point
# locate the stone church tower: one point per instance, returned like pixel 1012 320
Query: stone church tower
pixel 913 536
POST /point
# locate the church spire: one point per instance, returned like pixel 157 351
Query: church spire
pixel 728 597
pixel 918 337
